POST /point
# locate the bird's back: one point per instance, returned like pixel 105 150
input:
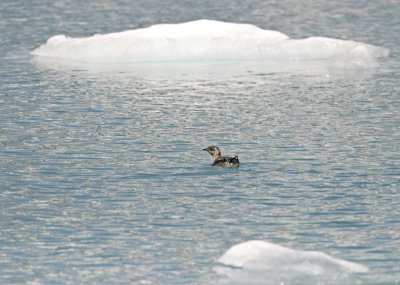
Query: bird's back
pixel 227 161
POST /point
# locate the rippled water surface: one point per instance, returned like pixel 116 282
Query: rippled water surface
pixel 103 177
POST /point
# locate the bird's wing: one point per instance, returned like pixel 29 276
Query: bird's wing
pixel 221 160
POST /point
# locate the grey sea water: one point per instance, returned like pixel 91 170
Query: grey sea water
pixel 102 175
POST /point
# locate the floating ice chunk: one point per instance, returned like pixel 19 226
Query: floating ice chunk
pixel 266 263
pixel 208 40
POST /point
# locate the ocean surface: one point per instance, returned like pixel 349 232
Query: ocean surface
pixel 102 175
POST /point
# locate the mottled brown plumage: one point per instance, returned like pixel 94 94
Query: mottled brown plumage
pixel 222 161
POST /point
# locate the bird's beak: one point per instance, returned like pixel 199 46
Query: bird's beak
pixel 205 149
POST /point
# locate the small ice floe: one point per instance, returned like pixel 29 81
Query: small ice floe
pixel 260 262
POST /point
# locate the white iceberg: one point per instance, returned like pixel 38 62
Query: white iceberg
pixel 208 40
pixel 260 262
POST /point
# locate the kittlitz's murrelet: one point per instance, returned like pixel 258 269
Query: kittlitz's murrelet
pixel 222 161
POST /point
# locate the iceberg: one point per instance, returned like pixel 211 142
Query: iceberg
pixel 260 262
pixel 209 41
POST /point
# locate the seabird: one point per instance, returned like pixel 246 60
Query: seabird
pixel 222 161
